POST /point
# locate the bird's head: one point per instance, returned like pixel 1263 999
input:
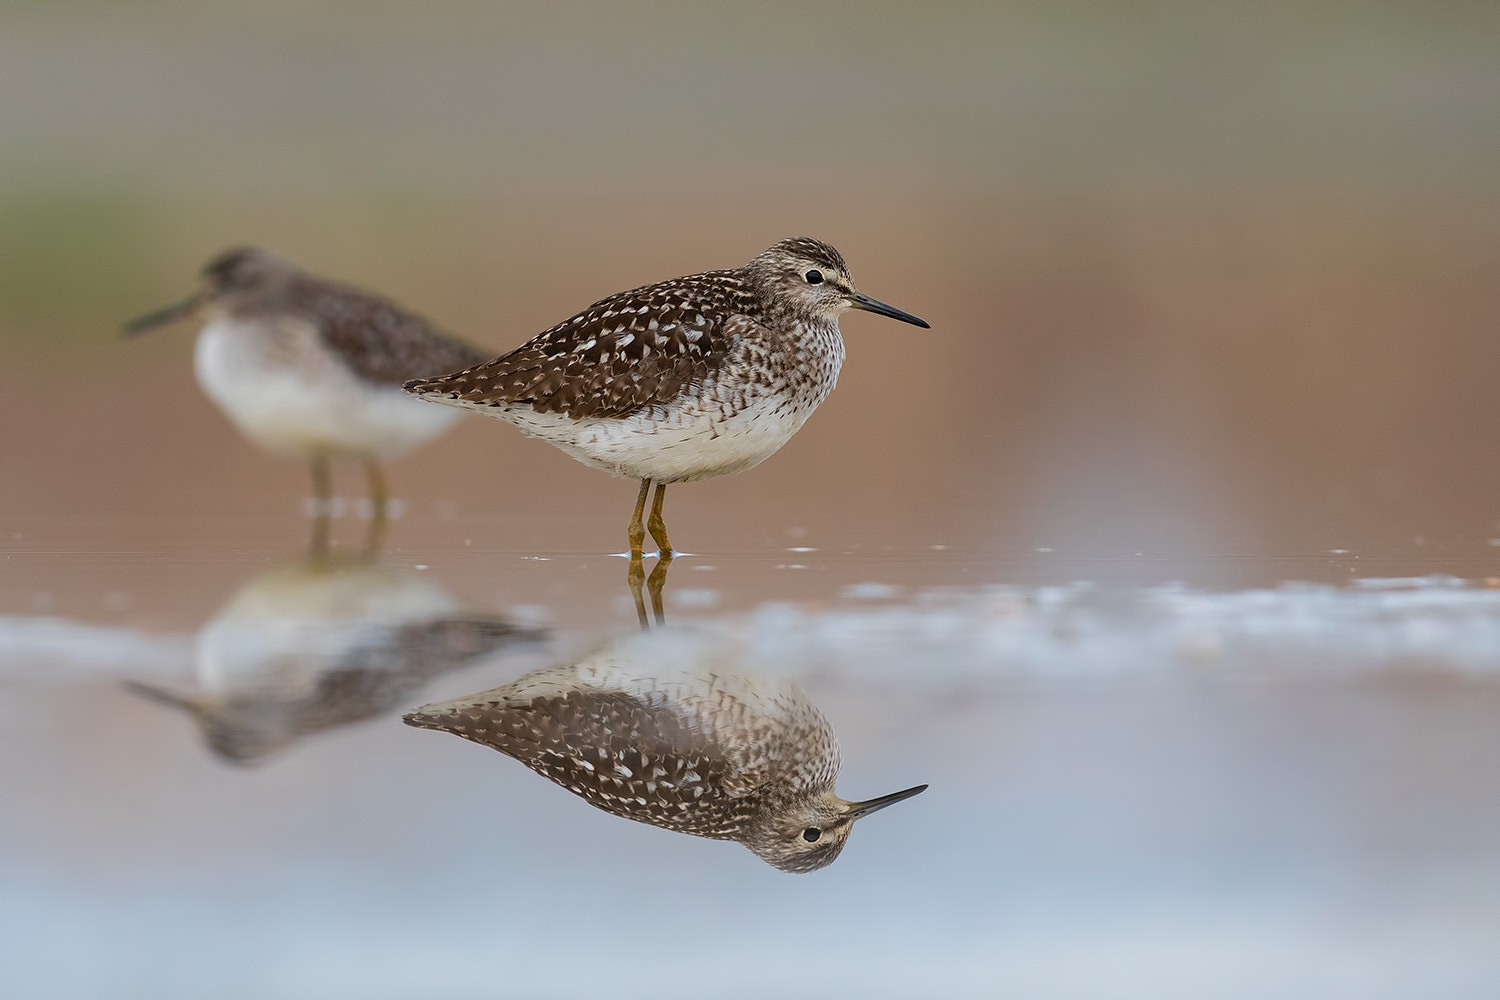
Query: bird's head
pixel 246 269
pixel 810 279
pixel 811 834
pixel 231 277
pixel 238 732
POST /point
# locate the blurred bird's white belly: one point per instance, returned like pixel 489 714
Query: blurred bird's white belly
pixel 286 391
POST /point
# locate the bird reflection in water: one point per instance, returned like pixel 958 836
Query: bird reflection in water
pixel 666 729
pixel 655 583
pixel 322 643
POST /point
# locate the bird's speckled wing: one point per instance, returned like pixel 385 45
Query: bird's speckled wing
pixel 627 756
pixel 623 354
pixel 380 342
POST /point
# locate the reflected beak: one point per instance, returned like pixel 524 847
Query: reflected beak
pixel 162 317
pixel 859 300
pixel 858 809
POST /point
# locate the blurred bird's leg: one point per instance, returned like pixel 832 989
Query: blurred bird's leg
pixel 322 505
pixel 656 525
pixel 322 483
pixel 378 494
pixel 379 497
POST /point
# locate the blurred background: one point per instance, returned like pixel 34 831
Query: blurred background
pixel 1214 306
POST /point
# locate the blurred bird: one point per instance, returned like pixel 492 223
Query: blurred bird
pixel 322 643
pixel 681 380
pixel 309 368
pixel 665 729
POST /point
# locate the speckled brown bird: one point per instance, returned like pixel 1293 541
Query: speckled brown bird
pixel 311 368
pixel 682 380
pixel 664 729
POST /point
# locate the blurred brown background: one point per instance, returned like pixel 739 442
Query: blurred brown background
pixel 1205 281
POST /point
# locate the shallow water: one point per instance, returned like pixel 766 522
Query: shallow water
pixel 1169 557
pixel 1241 791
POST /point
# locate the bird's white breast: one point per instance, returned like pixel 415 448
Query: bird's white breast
pixel 281 385
pixel 733 421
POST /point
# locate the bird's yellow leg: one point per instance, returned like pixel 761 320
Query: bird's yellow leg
pixel 635 577
pixel 637 532
pixel 322 483
pixel 656 525
pixel 379 496
pixel 654 584
pixel 322 505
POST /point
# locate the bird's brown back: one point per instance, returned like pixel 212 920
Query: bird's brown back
pixel 381 342
pixel 623 354
pixel 632 758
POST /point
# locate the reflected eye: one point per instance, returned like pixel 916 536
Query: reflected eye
pixel 812 833
pixel 814 277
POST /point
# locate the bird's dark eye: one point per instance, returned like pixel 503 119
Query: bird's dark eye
pixel 814 277
pixel 812 833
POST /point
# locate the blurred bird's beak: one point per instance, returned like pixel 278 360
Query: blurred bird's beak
pixel 859 300
pixel 858 809
pixel 162 317
pixel 163 697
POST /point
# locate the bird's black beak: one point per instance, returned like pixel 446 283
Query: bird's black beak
pixel 162 317
pixel 858 809
pixel 859 300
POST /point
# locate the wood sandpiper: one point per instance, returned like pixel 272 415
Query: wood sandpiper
pixel 665 729
pixel 685 379
pixel 310 368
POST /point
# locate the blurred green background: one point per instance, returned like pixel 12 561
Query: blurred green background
pixel 407 139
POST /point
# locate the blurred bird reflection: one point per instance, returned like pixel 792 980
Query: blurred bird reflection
pixel 669 729
pixel 321 643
